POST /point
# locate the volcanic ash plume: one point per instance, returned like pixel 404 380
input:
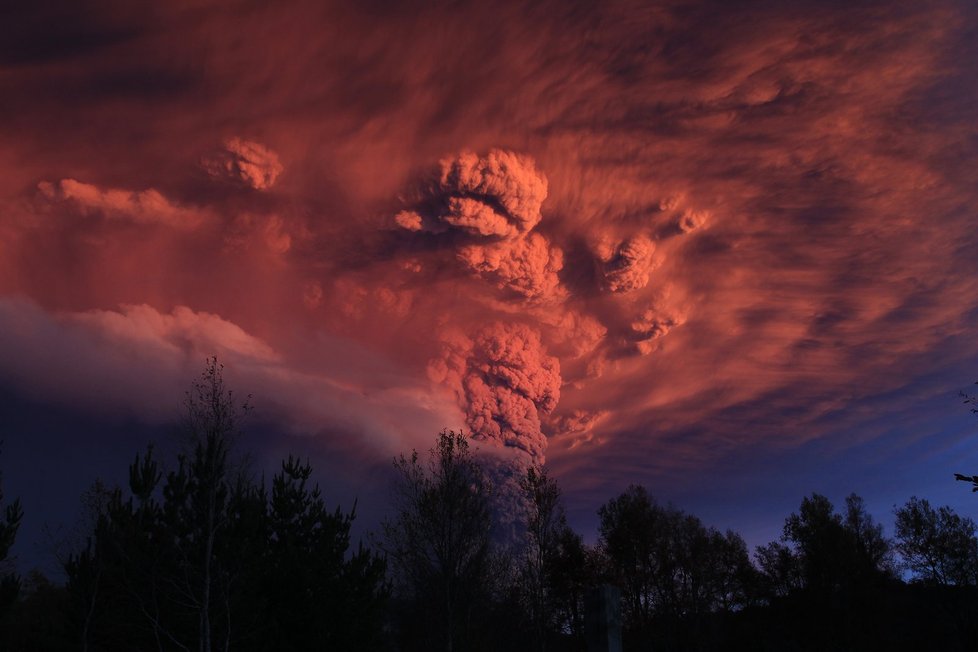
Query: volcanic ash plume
pixel 690 221
pixel 504 381
pixel 576 427
pixel 245 162
pixel 495 196
pixel 652 325
pixel 627 266
pixel 527 266
pixel 139 206
pixel 572 333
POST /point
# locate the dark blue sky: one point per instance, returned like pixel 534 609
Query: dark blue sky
pixel 51 455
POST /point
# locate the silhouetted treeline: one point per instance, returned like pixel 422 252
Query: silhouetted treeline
pixel 477 554
pixel 10 517
pixel 204 557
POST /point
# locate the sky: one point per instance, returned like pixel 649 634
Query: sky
pixel 725 250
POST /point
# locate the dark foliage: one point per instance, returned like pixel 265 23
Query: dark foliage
pixel 439 546
pixel 555 569
pixel 675 573
pixel 318 594
pixel 202 558
pixel 10 518
pixel 198 555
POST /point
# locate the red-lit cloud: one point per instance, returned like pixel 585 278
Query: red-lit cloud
pixel 626 266
pixel 245 162
pixel 528 267
pixel 620 235
pixel 493 196
pixel 141 206
pixel 505 380
pixel 127 359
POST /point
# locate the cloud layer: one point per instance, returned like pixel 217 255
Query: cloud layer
pixel 505 380
pixel 245 162
pixel 628 237
pixel 493 196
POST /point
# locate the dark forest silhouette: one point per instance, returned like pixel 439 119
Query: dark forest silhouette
pixel 198 554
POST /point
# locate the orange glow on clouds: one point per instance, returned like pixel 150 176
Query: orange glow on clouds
pixel 608 235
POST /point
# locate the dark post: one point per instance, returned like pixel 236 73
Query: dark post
pixel 602 619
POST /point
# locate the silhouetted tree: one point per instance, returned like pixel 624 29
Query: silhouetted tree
pixel 574 569
pixel 972 400
pixel 37 620
pixel 819 538
pixel 826 577
pixel 729 578
pixel 780 569
pixel 203 499
pixel 973 479
pixel 835 551
pixel 941 550
pixel 200 558
pixel 438 542
pixel 85 566
pixel 873 551
pixel 307 573
pixel 672 569
pixel 10 518
pixel 553 563
pixel 937 545
pixel 632 532
pixel 174 547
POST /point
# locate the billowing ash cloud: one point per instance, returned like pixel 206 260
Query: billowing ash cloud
pixel 800 155
pixel 573 333
pixel 141 206
pixel 505 177
pixel 691 220
pixel 527 266
pixel 498 196
pixel 504 380
pixel 577 426
pixel 626 267
pixel 245 162
pixel 495 200
pixel 478 218
pixel 652 325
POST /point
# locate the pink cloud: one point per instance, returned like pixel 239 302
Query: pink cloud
pixel 498 195
pixel 504 381
pixel 801 179
pixel 527 267
pixel 245 162
pixel 138 360
pixel 506 177
pixel 140 206
pixel 626 266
